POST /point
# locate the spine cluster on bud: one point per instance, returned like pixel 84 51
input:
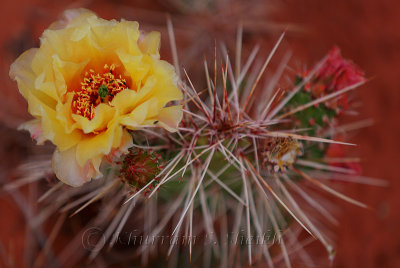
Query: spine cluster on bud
pixel 139 167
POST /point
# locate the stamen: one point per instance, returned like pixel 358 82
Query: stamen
pixel 95 89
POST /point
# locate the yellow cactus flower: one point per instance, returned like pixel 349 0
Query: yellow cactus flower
pixel 90 81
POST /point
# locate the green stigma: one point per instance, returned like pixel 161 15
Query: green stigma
pixel 103 91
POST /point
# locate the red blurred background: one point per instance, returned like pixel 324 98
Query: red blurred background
pixel 366 31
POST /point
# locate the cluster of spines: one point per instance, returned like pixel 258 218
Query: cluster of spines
pixel 139 167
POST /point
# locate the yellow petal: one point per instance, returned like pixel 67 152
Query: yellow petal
pixel 94 167
pixel 102 117
pixel 125 101
pixel 170 117
pixel 64 113
pixel 137 116
pixel 126 143
pixel 65 71
pixel 22 72
pixel 150 44
pixel 165 89
pixel 94 145
pixel 48 88
pixel 54 130
pixel 134 65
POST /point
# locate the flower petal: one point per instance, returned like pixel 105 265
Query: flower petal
pixel 150 44
pixel 102 116
pixel 170 117
pixel 134 65
pixel 35 129
pixel 54 130
pixel 68 170
pixel 92 146
pixel 137 116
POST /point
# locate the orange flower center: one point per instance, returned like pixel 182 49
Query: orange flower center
pixel 96 88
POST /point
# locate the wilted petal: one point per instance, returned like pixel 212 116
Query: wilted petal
pixel 68 170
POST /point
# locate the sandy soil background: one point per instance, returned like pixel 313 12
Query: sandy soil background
pixel 366 31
